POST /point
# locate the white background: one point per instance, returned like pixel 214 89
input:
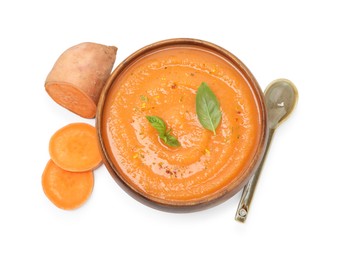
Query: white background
pixel 295 212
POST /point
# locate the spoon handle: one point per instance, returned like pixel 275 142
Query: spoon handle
pixel 248 191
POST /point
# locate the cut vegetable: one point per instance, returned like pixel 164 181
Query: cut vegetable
pixel 75 148
pixel 78 76
pixel 66 190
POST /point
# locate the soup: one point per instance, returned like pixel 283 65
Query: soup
pixel 164 83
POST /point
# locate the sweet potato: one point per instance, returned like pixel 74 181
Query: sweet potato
pixel 66 190
pixel 78 76
pixel 75 148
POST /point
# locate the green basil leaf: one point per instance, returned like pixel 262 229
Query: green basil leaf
pixel 172 141
pixel 158 124
pixel 207 108
pixel 164 134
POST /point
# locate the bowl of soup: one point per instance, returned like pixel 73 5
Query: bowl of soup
pixel 206 167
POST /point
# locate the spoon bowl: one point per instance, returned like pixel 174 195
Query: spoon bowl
pixel 280 97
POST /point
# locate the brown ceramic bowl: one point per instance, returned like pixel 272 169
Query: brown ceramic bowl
pixel 224 192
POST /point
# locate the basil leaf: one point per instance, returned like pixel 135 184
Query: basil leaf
pixel 172 141
pixel 158 124
pixel 207 108
pixel 164 134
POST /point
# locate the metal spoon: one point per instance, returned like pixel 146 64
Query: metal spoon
pixel 281 97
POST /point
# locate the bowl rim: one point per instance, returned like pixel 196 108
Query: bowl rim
pixel 236 184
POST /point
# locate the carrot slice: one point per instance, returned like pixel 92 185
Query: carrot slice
pixel 66 190
pixel 75 148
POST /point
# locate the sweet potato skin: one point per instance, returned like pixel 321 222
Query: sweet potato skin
pixel 78 76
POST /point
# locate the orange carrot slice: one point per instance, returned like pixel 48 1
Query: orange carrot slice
pixel 75 148
pixel 66 190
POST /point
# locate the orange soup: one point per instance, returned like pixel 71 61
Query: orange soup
pixel 164 83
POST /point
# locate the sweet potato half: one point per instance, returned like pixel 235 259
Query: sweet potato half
pixel 78 76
